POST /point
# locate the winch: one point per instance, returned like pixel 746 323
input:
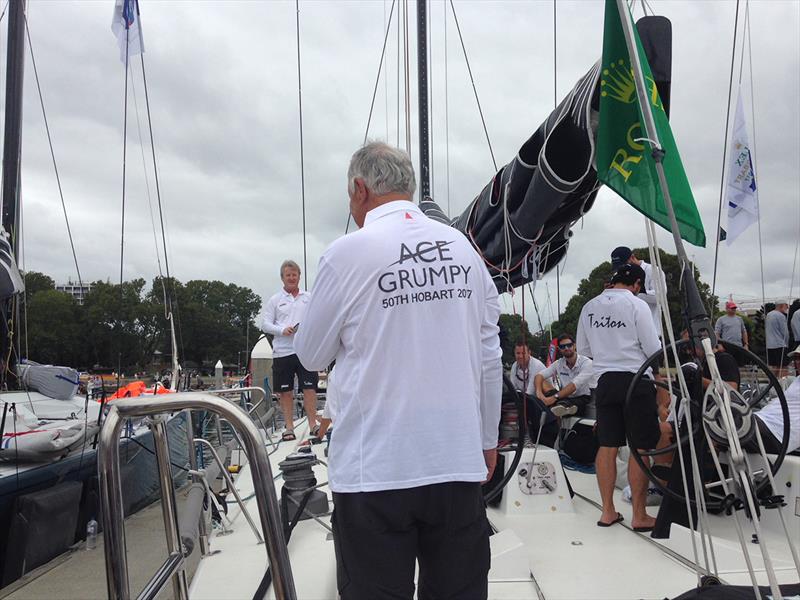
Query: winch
pixel 297 493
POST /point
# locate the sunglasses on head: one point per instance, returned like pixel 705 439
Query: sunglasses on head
pixel 565 346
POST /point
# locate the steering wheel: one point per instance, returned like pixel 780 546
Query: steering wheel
pixel 710 417
pixel 519 401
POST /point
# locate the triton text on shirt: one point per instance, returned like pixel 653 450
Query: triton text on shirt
pixel 604 321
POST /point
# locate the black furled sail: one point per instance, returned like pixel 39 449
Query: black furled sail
pixel 521 221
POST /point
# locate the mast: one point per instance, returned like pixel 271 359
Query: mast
pixel 697 315
pixel 12 148
pixel 12 153
pixel 422 88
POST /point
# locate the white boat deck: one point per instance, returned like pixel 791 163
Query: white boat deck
pixel 553 554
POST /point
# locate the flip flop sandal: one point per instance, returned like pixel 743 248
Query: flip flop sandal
pixel 619 519
pixel 288 436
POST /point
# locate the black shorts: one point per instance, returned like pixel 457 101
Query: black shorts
pixel 286 367
pixel 379 536
pixel 640 417
pixel 777 357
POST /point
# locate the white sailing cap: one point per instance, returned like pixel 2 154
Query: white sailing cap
pixel 795 352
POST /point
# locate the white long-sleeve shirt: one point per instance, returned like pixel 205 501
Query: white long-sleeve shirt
pixel 581 374
pixel 649 293
pixel 772 416
pixel 616 331
pixel 409 311
pixel 283 310
pixel 523 378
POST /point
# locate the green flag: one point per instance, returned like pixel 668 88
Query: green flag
pixel 625 164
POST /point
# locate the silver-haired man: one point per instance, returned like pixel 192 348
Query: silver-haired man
pixel 409 311
pixel 282 317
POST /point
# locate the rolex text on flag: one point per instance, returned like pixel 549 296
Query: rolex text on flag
pixel 625 160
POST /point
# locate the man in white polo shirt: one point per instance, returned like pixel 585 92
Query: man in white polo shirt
pixel 574 376
pixel 524 369
pixel 282 317
pixel 408 310
pixel 617 332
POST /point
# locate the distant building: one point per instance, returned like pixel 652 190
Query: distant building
pixel 76 290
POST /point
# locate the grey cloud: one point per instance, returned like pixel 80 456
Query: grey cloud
pixel 222 80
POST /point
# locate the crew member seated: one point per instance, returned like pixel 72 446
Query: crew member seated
pixel 523 372
pixel 524 369
pixel 572 375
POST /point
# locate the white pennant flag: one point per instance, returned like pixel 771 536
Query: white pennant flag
pixel 126 26
pixel 740 192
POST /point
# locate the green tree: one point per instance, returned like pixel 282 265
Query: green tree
pixel 595 282
pixel 117 325
pixel 514 329
pixel 54 329
pixel 37 282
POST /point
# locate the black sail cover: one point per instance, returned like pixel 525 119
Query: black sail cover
pixel 521 221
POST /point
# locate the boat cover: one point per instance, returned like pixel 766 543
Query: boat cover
pixel 55 382
pixel 521 221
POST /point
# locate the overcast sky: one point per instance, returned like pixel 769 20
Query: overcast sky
pixel 223 87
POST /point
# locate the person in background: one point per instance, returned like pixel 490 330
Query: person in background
pixel 776 332
pixel 616 331
pixel 730 328
pixel 524 369
pixel 409 311
pixel 622 255
pixel 574 375
pixel 282 316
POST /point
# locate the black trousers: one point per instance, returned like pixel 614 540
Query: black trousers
pixel 379 536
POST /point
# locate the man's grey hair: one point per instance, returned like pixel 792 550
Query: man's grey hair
pixel 289 264
pixel 384 169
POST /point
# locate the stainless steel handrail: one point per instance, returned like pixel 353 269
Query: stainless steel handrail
pixel 109 473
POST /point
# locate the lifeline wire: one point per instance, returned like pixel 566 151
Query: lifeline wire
pixel 472 80
pixel 375 93
pixel 173 299
pixel 302 153
pixel 755 152
pixel 52 153
pixel 724 153
pixel 122 221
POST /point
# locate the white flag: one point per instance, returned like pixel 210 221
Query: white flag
pixel 740 191
pixel 126 26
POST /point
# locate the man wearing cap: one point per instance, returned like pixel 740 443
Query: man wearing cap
pixel 730 327
pixel 770 418
pixel 623 255
pixel 616 331
pixel 776 331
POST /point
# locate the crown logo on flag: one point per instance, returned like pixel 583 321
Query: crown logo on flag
pixel 617 82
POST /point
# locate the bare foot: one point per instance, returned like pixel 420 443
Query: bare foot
pixel 649 522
